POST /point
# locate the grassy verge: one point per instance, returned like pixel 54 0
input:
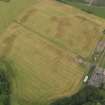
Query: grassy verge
pixel 98 11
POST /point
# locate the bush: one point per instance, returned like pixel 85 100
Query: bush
pixel 5 0
pixel 5 89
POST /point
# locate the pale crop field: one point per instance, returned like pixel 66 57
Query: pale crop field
pixel 63 26
pixel 43 70
pixel 42 44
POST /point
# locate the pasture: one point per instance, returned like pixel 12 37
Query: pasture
pixel 10 10
pixel 42 44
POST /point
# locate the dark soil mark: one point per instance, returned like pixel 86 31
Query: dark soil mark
pixel 62 24
pixel 27 15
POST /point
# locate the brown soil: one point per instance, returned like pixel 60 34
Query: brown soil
pixel 62 24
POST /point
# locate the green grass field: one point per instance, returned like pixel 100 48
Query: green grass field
pixel 95 10
pixel 9 11
pixel 41 45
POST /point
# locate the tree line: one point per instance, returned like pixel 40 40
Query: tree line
pixel 87 96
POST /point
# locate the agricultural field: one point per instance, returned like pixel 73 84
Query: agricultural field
pixel 41 45
pixel 95 10
pixel 9 10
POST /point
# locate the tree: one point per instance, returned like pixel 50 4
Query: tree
pixel 5 0
pixel 86 96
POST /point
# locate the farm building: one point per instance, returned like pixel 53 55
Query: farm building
pixel 97 78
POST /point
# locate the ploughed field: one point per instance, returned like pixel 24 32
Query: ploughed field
pixel 42 44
